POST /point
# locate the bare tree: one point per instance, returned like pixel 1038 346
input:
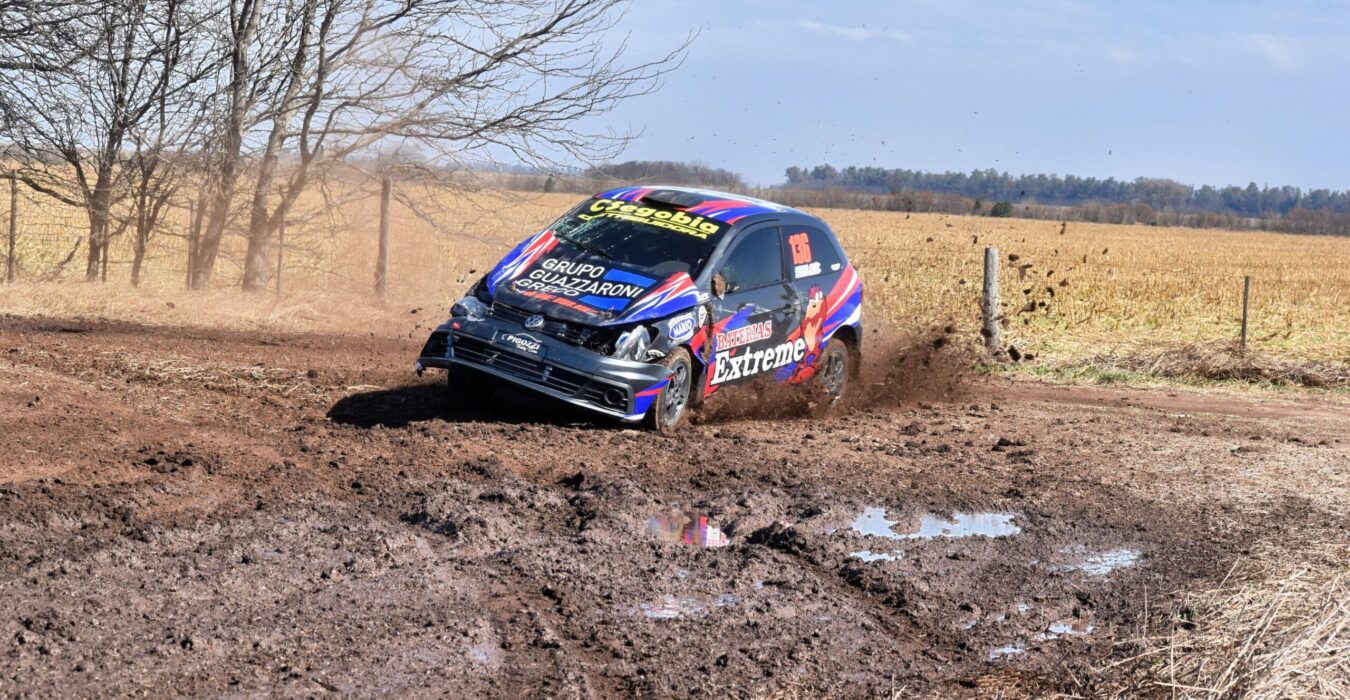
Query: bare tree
pixel 313 82
pixel 26 27
pixel 71 123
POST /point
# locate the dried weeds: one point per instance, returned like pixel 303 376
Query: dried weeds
pixel 1224 361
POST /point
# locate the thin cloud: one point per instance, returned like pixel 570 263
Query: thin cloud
pixel 1278 50
pixel 854 33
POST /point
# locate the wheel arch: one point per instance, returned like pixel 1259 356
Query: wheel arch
pixel 851 337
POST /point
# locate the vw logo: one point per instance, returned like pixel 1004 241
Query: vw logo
pixel 534 323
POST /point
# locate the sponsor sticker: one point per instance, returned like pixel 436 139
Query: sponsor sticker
pixel 729 367
pixel 679 221
pixel 595 285
pixel 522 342
pixel 749 333
pixel 682 328
pixel 807 270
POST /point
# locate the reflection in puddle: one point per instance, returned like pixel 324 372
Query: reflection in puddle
pixel 873 522
pixel 1057 630
pixel 688 528
pixel 1005 651
pixel 669 607
pixel 1102 563
pixel 869 556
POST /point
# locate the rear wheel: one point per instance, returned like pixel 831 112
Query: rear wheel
pixel 832 372
pixel 673 401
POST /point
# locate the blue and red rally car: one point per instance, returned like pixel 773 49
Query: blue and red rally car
pixel 643 301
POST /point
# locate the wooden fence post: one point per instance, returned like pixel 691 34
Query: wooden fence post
pixel 13 223
pixel 191 242
pixel 281 252
pixel 1246 297
pixel 990 306
pixel 382 258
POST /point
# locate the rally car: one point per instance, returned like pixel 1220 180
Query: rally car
pixel 643 301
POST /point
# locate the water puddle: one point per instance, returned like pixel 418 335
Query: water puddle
pixel 870 556
pixel 669 607
pixel 1057 630
pixel 687 528
pixel 1101 563
pixel 873 522
pixel 1006 651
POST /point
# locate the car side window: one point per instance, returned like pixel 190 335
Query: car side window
pixel 811 253
pixel 756 261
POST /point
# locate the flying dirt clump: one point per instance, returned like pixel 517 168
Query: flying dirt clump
pixel 896 369
pixel 903 369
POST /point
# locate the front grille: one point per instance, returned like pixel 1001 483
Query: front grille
pixel 436 345
pixel 567 332
pixel 524 367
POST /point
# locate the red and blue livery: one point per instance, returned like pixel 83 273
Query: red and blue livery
pixel 643 301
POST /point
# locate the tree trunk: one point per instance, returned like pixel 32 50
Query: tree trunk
pixel 244 15
pixel 209 244
pixel 142 236
pixel 257 262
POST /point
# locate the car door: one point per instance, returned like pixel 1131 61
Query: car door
pixel 814 264
pixel 754 307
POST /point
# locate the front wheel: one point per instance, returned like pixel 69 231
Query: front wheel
pixel 673 401
pixel 832 375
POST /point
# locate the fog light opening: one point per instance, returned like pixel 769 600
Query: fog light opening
pixel 616 397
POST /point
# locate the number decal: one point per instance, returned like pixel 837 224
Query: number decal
pixel 801 248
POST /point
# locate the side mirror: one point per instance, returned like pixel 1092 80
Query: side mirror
pixel 719 285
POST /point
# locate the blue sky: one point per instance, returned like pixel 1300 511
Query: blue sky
pixel 1205 93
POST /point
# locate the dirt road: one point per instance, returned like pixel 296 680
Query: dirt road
pixel 187 511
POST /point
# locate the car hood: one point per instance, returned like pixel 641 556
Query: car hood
pixel 548 276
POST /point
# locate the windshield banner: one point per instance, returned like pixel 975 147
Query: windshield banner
pixel 670 219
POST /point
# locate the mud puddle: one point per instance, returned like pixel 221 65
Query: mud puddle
pixel 1099 564
pixel 927 526
pixel 874 522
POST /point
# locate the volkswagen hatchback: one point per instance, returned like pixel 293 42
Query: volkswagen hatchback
pixel 644 301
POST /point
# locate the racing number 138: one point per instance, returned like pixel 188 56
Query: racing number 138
pixel 801 248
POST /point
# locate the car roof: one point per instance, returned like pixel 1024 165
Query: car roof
pixel 722 206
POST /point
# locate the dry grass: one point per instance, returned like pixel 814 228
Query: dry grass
pixel 1073 293
pixel 1222 361
pixel 1282 632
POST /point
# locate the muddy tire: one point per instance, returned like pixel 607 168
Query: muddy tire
pixel 832 373
pixel 671 405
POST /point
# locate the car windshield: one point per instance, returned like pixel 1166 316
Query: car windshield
pixel 660 238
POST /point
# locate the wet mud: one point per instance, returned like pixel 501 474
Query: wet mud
pixel 198 512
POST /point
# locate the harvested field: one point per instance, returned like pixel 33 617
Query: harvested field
pixel 1070 292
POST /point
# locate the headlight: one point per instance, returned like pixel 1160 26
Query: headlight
pixel 470 308
pixel 633 344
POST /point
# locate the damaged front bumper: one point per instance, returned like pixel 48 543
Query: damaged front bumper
pixel 504 351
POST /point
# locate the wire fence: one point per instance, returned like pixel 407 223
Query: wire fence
pixel 1069 283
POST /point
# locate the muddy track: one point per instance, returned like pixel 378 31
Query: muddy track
pixel 197 511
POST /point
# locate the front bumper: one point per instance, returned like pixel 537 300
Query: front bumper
pixel 617 388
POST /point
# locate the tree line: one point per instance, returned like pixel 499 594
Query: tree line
pixel 126 108
pixel 1282 207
